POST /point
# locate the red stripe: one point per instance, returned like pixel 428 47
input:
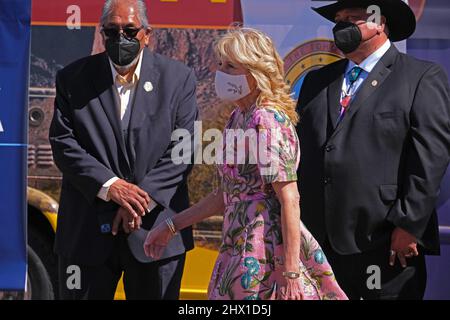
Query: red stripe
pixel 181 12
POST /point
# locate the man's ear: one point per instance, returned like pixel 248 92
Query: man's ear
pixel 102 34
pixel 382 27
pixel 148 33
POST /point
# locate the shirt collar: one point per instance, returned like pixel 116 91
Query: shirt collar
pixel 369 63
pixel 136 74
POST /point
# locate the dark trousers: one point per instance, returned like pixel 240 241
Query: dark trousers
pixel 356 275
pixel 142 281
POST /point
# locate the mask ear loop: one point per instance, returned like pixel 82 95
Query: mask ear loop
pixel 373 36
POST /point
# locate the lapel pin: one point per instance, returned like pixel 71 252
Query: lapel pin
pixel 148 86
pixel 374 83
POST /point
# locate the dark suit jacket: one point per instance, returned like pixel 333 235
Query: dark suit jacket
pixel 89 149
pixel 382 165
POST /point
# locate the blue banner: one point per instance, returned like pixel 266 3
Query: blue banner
pixel 15 16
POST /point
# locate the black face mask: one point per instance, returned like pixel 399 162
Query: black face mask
pixel 347 36
pixel 122 50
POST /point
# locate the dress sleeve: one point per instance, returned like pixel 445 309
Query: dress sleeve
pixel 278 146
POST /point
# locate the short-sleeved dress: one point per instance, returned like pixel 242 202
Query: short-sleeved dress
pixel 249 265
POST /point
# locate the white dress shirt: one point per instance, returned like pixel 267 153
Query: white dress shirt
pixel 125 91
pixel 366 65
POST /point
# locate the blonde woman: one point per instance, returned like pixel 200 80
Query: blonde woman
pixel 266 252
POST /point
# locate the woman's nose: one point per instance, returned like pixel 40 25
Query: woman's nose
pixel 221 67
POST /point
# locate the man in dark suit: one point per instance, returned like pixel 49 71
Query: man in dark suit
pixel 111 138
pixel 375 139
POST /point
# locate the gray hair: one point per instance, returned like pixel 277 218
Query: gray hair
pixel 141 7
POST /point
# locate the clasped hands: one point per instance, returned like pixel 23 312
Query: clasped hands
pixel 134 204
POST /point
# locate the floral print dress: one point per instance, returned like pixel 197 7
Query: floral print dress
pixel 250 262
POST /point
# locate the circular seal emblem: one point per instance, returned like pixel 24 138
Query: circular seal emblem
pixel 308 56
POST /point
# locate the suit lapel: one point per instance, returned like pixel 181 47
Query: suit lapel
pixel 145 101
pixel 369 86
pixel 104 84
pixel 334 94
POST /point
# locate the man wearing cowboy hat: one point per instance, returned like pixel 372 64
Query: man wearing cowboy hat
pixel 375 138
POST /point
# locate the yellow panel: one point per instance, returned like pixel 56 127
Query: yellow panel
pixel 120 293
pixel 197 272
pixel 51 218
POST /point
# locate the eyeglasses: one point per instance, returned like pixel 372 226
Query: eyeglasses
pixel 129 32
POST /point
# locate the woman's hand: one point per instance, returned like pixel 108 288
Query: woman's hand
pixel 287 193
pixel 159 237
pixel 292 290
pixel 157 240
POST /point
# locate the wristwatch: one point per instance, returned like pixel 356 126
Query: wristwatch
pixel 291 274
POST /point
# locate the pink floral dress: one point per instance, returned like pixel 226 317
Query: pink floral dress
pixel 249 265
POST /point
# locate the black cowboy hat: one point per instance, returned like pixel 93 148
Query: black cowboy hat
pixel 400 18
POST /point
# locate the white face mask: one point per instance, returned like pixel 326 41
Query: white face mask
pixel 231 87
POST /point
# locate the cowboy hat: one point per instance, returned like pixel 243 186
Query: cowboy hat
pixel 400 18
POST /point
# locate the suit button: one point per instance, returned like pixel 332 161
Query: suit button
pixel 327 180
pixel 329 148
